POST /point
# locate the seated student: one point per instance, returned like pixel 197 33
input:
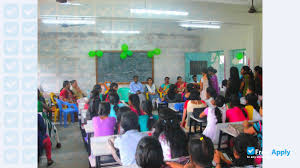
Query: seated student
pixel 210 96
pixel 44 141
pixel 194 102
pixel 252 107
pixel 136 87
pixel 134 104
pixel 250 90
pixel 164 88
pixel 187 93
pixel 119 113
pixel 94 102
pixel 146 121
pixel 127 142
pixel 170 135
pixel 66 94
pixel 151 90
pixel 115 104
pixel 201 151
pixel 113 88
pixel 215 114
pixel 236 113
pixel 195 81
pixel 181 85
pixel 103 124
pixel 77 92
pixel 172 96
pixel 240 145
pixel 149 153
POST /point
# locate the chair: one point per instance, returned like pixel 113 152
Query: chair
pixel 71 109
pixel 55 109
pixel 123 94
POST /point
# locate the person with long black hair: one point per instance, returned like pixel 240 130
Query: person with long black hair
pixel 66 94
pixel 146 121
pixel 236 112
pixel 115 104
pixel 213 79
pixel 94 102
pixel 113 88
pixel 170 135
pixel 134 104
pixel 252 107
pixel 172 96
pixel 247 79
pixel 233 84
pixel 258 80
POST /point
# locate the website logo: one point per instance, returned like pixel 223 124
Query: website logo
pixel 250 150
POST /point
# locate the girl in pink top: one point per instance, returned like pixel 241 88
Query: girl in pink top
pixel 103 125
pixel 236 113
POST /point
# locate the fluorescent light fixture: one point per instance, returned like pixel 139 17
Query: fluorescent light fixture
pixel 158 12
pixel 119 32
pixel 68 21
pixel 71 3
pixel 210 26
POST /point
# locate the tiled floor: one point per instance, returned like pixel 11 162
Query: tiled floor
pixel 72 154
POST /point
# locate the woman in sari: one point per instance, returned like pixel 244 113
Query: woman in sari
pixel 181 85
pixel 66 94
pixel 164 88
pixel 77 92
pixel 247 78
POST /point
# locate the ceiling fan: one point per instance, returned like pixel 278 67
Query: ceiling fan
pixel 252 9
pixel 68 2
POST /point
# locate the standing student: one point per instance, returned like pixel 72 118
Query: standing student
pixel 214 79
pixel 201 154
pixel 170 135
pixel 103 124
pixel 149 153
pixel 247 79
pixel 135 105
pixel 127 142
pixel 151 90
pixel 204 83
pixel 136 87
pixel 115 104
pixel 258 80
pixel 66 94
pixel 94 101
pixel 236 113
pixel 181 85
pixel 233 84
pixel 215 114
pixel 77 92
pixel 164 88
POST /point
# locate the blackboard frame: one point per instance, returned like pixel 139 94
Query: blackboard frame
pixel 119 51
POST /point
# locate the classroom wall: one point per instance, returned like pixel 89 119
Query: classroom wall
pixel 232 37
pixel 63 55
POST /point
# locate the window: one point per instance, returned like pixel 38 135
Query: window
pixel 197 66
pixel 222 59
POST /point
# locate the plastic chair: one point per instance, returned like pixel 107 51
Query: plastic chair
pixel 55 109
pixel 72 108
pixel 123 94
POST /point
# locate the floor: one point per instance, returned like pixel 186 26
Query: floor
pixel 72 153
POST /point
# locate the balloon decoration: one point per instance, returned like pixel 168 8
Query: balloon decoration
pixel 92 53
pixel 240 55
pixel 129 53
pixel 99 53
pixel 150 54
pixel 124 47
pixel 123 55
pixel 156 51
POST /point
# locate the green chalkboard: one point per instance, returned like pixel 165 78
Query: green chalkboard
pixel 111 68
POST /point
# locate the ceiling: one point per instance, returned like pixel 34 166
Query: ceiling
pixel 113 14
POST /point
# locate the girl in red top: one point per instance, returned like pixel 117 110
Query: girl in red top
pixel 66 94
pixel 134 104
pixel 181 85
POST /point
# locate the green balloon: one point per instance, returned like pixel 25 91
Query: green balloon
pixel 239 55
pixel 124 47
pixel 92 53
pixel 99 53
pixel 150 54
pixel 123 55
pixel 156 51
pixel 129 53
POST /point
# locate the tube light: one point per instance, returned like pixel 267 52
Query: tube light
pixel 158 12
pixel 68 21
pixel 210 26
pixel 119 32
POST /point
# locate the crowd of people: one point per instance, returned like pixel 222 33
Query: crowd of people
pixel 240 100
